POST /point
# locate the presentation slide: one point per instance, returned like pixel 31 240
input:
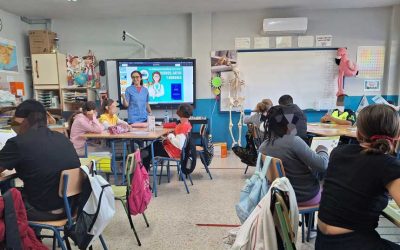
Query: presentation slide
pixel 168 82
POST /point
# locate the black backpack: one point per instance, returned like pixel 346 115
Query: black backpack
pixel 188 156
pixel 208 148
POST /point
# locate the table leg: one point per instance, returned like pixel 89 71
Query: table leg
pixel 154 169
pixel 113 162
pixel 123 162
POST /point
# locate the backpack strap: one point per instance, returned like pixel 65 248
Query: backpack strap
pixel 13 239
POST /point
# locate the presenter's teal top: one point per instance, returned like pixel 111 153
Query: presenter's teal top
pixel 137 104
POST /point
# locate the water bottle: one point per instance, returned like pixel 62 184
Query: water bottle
pixel 166 117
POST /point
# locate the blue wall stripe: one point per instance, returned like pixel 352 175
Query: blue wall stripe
pixel 219 121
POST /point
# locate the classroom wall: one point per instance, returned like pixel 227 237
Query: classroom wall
pixel 197 34
pixel 16 30
pixel 165 36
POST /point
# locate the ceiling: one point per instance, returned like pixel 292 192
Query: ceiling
pixel 62 9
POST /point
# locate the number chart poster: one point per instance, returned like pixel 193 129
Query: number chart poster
pixel 164 83
pixel 371 61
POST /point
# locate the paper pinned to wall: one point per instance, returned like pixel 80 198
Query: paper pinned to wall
pixel 242 43
pixel 261 42
pixel 305 41
pixel 371 61
pixel 283 41
pixel 379 100
pixel 323 41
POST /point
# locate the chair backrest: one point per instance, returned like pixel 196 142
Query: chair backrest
pixel 282 222
pixel 130 167
pixel 75 182
pixel 275 170
pixel 188 155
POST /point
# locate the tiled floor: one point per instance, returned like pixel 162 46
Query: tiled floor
pixel 174 214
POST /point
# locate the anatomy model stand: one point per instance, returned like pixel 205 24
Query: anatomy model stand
pixel 236 101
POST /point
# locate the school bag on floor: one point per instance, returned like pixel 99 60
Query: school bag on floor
pixel 254 190
pixel 95 211
pixel 140 194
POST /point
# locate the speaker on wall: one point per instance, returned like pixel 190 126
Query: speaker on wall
pixel 102 67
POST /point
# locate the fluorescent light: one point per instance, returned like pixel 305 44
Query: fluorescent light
pixel 72 0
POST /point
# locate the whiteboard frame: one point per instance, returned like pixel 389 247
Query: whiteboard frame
pixel 283 49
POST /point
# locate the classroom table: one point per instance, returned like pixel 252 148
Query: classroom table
pixel 140 134
pixel 59 128
pixel 392 213
pixel 329 129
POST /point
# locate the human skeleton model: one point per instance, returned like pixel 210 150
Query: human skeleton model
pixel 236 101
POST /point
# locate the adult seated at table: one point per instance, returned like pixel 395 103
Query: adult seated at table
pixel 38 155
pixel 340 116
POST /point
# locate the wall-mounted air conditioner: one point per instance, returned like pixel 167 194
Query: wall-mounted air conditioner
pixel 285 26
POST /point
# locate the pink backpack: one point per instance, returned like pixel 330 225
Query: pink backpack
pixel 140 193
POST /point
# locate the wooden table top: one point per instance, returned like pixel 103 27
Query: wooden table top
pixel 136 133
pixel 328 129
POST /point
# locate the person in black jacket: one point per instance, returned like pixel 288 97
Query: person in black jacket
pixel 298 124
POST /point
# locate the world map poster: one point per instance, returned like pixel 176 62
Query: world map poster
pixel 8 56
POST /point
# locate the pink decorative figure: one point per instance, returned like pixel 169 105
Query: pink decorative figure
pixel 346 68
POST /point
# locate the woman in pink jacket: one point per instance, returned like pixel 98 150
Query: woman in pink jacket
pixel 82 123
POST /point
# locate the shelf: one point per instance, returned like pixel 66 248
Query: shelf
pixel 75 88
pixel 46 87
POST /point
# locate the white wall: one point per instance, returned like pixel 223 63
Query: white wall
pixel 16 30
pixel 197 34
pixel 350 28
pixel 165 36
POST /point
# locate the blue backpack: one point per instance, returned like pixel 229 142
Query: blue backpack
pixel 254 190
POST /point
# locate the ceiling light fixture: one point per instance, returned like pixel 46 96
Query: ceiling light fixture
pixel 72 0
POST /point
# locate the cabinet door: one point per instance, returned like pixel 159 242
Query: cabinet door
pixel 44 69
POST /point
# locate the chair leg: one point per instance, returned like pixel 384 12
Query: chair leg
pixel 303 221
pixel 183 178
pixel 168 172
pixel 205 166
pixel 54 241
pixel 103 243
pixel 161 171
pixel 190 179
pixel 59 239
pixel 310 225
pixel 245 171
pixel 131 223
pixel 67 243
pixel 145 219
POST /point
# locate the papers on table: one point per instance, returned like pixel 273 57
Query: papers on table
pixel 329 142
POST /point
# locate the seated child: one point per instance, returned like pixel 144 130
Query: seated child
pixel 83 122
pixel 173 144
pixel 358 181
pixel 109 117
pixel 302 165
pixel 340 116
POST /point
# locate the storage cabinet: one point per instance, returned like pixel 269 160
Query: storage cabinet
pixel 49 74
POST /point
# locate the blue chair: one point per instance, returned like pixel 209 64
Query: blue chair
pixel 161 159
pixel 70 185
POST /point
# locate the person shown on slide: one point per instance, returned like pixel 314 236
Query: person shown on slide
pixel 136 99
pixel 156 89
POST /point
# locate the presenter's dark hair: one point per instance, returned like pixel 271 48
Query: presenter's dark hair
pixel 285 100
